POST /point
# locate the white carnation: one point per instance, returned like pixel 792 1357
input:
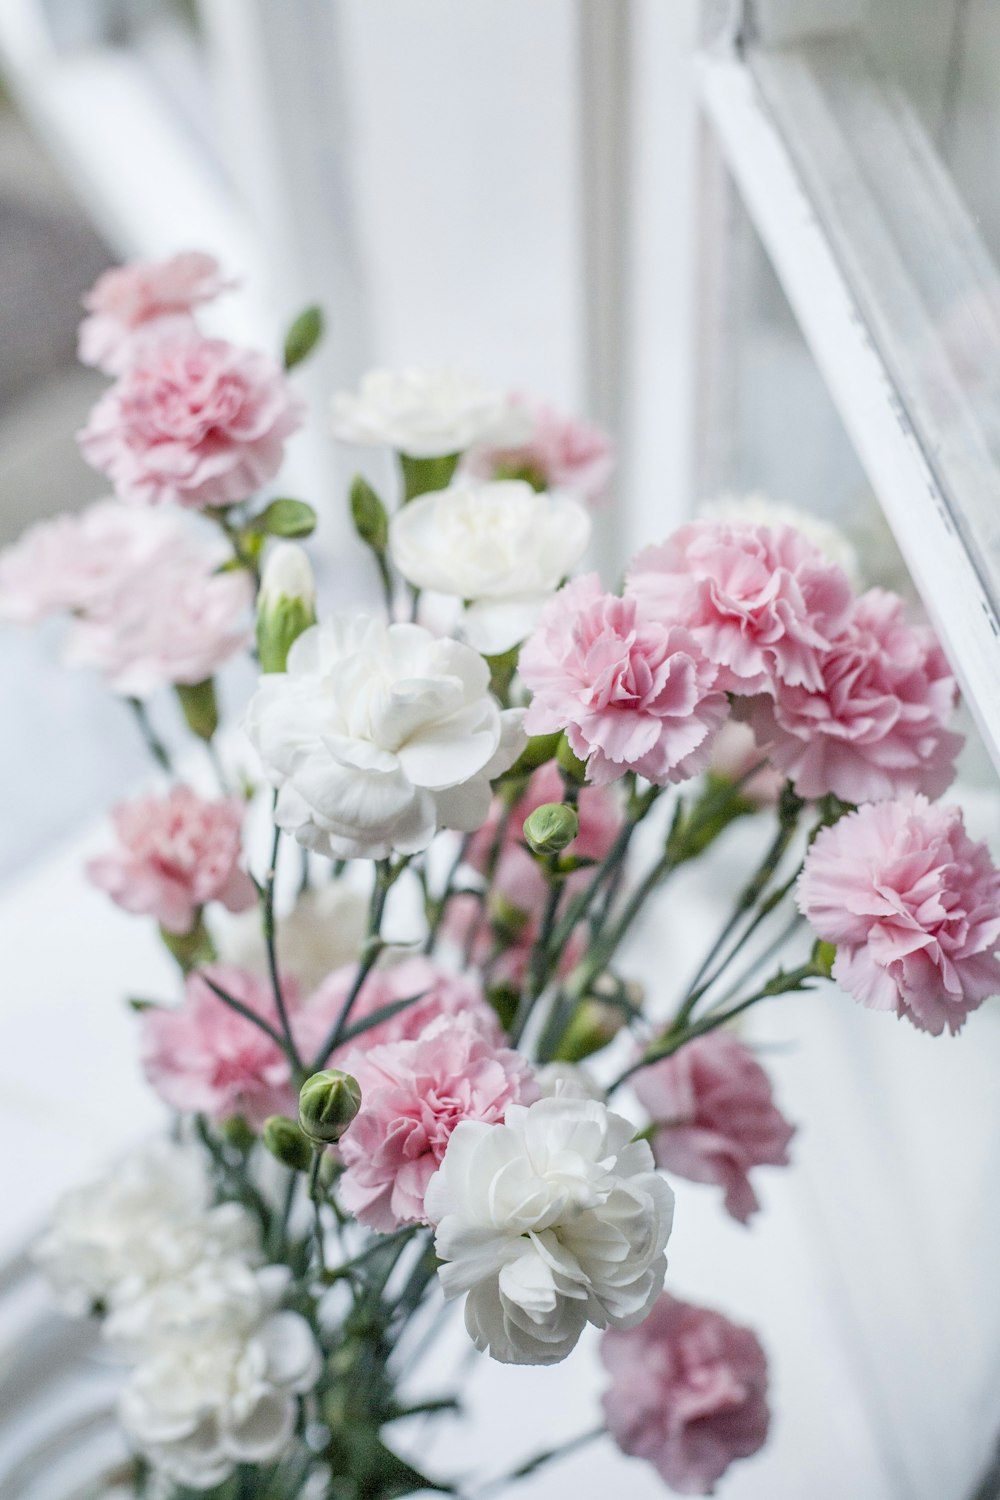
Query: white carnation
pixel 761 510
pixel 149 1219
pixel 501 546
pixel 566 1080
pixel 378 735
pixel 324 930
pixel 218 1383
pixel 554 1219
pixel 427 413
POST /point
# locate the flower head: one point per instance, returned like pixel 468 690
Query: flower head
pixel 600 820
pixel 176 853
pixel 376 736
pixel 413 1095
pixel 194 422
pixel 761 601
pixel 714 1117
pixel 913 906
pixel 426 413
pixel 131 305
pixel 631 694
pixel 688 1393
pixel 560 453
pixel 549 1221
pixel 203 1057
pixel 760 510
pixel 502 547
pixel 873 725
pixel 323 932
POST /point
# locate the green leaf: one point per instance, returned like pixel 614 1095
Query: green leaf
pixel 201 709
pixel 287 518
pixel 371 521
pixel 303 336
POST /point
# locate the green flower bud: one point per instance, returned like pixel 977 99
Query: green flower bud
pixel 201 708
pixel 371 521
pixel 286 604
pixel 328 1102
pixel 287 1143
pixel 238 1133
pixel 551 827
pixel 287 518
pixel 303 336
pixel 570 764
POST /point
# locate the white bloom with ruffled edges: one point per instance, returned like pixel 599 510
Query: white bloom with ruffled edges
pixel 378 735
pixel 427 413
pixel 503 547
pixel 324 930
pixel 221 1370
pixel 550 1221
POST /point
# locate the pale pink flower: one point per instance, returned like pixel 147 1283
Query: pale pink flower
pixel 735 754
pixel 913 906
pixel 413 1094
pixel 761 601
pixel 202 1057
pixel 631 693
pixel 194 421
pixel 502 940
pixel 688 1393
pixel 131 305
pixel 176 622
pixel 874 724
pixel 562 452
pixel 175 853
pixel 600 819
pixel 441 993
pixel 715 1117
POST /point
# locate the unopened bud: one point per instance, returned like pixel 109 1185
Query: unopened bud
pixel 287 1143
pixel 286 604
pixel 551 828
pixel 593 1025
pixel 371 521
pixel 328 1102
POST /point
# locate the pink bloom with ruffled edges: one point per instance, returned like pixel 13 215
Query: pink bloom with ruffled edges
pixel 563 452
pixel 913 906
pixel 631 694
pixel 195 422
pixel 874 726
pixel 202 1057
pixel 440 992
pixel 761 601
pixel 715 1117
pixel 176 853
pixel 688 1393
pixel 413 1094
pixel 131 305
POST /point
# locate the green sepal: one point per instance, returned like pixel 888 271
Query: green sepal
pixel 303 336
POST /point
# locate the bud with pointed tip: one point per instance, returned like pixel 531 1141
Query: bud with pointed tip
pixel 551 828
pixel 287 1143
pixel 328 1102
pixel 286 604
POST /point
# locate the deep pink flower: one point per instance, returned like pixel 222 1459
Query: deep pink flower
pixel 688 1393
pixel 441 994
pixel 562 453
pixel 194 421
pixel 204 1058
pixel 874 725
pixel 600 819
pixel 913 906
pixel 413 1094
pixel 132 304
pixel 631 694
pixel 715 1117
pixel 176 853
pixel 760 600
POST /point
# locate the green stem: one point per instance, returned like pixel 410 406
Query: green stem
pixel 246 1013
pixel 267 913
pixel 540 1459
pixel 154 744
pixel 316 1199
pixel 447 892
pixel 384 877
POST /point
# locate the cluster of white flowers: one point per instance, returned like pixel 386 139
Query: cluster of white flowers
pixel 217 1365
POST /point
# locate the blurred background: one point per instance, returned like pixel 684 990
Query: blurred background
pixel 759 242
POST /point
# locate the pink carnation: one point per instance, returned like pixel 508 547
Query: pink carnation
pixel 413 1095
pixel 874 724
pixel 194 421
pixel 503 940
pixel 561 453
pixel 688 1393
pixel 441 994
pixel 631 694
pixel 130 305
pixel 175 854
pixel 205 1058
pixel 760 600
pixel 600 819
pixel 715 1117
pixel 913 906
pixel 735 754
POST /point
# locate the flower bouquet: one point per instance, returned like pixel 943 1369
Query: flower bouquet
pixel 407 1064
